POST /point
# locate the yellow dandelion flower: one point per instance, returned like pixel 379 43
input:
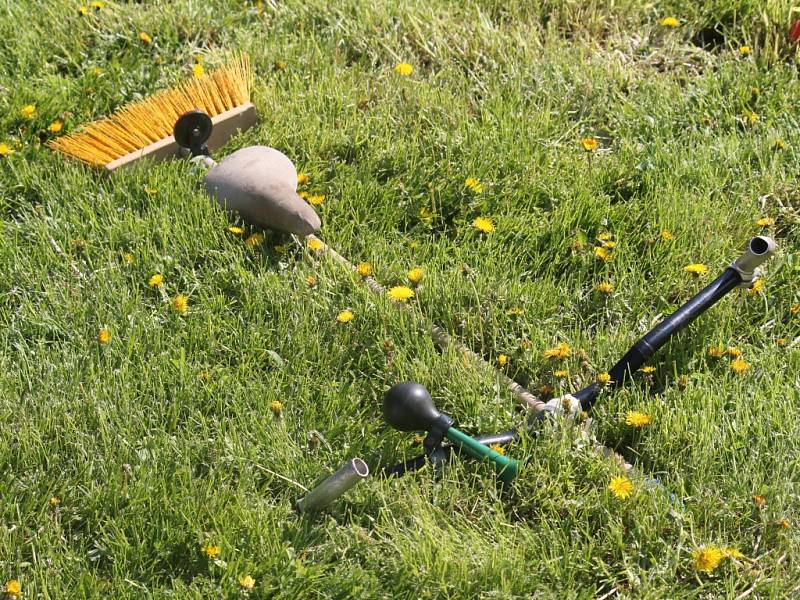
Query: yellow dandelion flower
pixel 145 37
pixel 546 389
pixel 781 342
pixel 302 178
pixel 666 235
pixel 765 222
pixel 605 287
pixel 180 304
pixel 610 245
pixel 483 224
pixel 311 280
pixel 345 316
pixel 707 558
pixel 400 293
pixel 404 69
pixel 604 378
pixel 784 523
pixel 316 199
pixel 104 336
pixel 364 269
pixel 55 126
pixel 254 239
pixel 198 71
pixel 603 254
pixel 151 191
pixel 780 144
pixel 425 215
pixel 97 5
pixel 28 111
pixel 502 360
pixel 621 487
pixel 670 22
pixel 5 149
pixel 303 195
pixel 794 309
pixel 590 144
pixel 155 280
pixel 515 311
pixel 315 244
pixel 648 370
pixel 13 588
pixel 683 380
pixel 128 258
pixel 604 236
pixel 756 288
pixel 759 501
pixel 96 71
pixel 561 351
pixel 246 582
pixel 210 550
pixel 716 351
pixel 54 501
pixel 744 50
pixel 415 275
pixel 276 407
pixel 561 374
pixel 734 352
pixel 739 366
pixel 731 552
pixel 83 10
pixel 696 269
pixel 204 376
pixel 637 419
pixel 498 448
pixel 236 230
pixel 474 184
pixel 750 117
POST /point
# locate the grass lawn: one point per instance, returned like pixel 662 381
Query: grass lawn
pixel 156 464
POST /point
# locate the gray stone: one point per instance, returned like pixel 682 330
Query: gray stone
pixel 260 184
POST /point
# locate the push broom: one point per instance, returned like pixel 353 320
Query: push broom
pixel 257 182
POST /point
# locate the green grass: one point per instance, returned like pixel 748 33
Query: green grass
pixel 150 461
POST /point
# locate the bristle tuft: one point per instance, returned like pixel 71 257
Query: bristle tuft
pixel 141 123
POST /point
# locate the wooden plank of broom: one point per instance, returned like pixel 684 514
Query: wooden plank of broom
pixel 225 126
pixel 442 339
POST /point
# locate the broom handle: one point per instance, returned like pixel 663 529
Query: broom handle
pixel 442 339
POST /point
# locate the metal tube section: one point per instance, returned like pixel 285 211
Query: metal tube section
pixel 506 467
pixel 741 271
pixel 334 486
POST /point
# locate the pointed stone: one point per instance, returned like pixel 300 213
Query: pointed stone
pixel 260 184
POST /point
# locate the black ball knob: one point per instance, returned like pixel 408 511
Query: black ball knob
pixel 192 130
pixel 408 406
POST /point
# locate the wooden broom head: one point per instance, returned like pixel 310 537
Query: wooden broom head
pixel 144 128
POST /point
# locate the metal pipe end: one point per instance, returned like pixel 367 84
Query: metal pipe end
pixel 360 467
pixel 759 250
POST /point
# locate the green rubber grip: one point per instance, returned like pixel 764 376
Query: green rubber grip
pixel 506 467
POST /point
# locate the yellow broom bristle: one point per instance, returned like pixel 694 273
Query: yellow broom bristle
pixel 141 123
